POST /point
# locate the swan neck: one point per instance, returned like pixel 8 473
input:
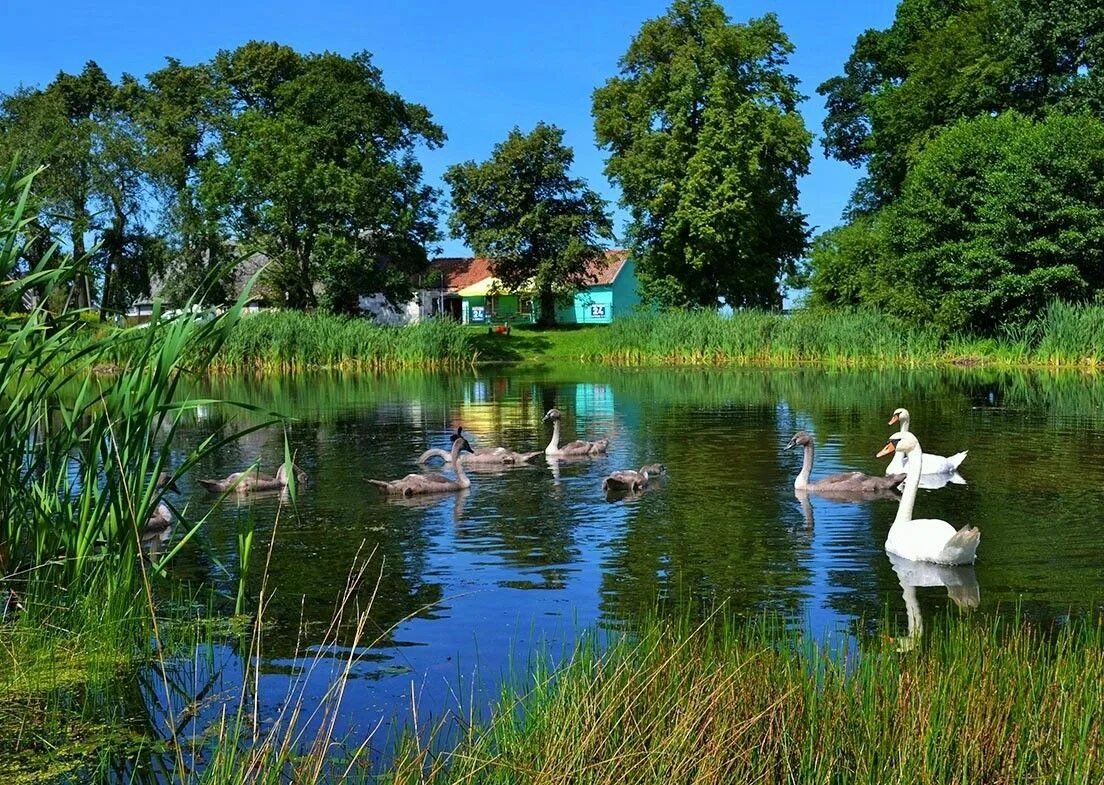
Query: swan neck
pixel 434 452
pixel 912 484
pixel 458 465
pixel 554 445
pixel 802 480
pixel 904 424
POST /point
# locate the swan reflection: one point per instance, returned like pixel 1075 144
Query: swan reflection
pixel 458 499
pixel 960 581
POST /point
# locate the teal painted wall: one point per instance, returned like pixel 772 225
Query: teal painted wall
pixel 625 295
pixel 603 304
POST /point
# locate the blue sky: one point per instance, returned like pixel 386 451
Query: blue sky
pixel 481 68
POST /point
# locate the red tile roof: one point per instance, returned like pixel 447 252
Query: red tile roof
pixel 459 272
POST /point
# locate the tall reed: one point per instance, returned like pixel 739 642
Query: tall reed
pixel 739 701
pixel 1063 335
pixel 291 340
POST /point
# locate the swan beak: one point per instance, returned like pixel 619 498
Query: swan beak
pixel 894 420
pixel 790 445
pixel 889 448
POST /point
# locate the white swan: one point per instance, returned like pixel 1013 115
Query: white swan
pixel 925 539
pixel 932 464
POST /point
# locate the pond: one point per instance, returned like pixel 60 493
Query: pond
pixel 469 585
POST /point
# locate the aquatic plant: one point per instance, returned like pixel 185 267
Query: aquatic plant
pixel 292 340
pixel 983 700
pixel 1063 335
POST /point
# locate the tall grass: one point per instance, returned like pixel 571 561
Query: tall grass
pixel 1064 335
pixel 291 340
pixel 731 701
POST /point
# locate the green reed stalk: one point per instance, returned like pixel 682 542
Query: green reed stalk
pixel 1064 335
pixel 292 340
pixel 730 701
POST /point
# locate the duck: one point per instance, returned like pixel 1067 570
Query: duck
pixel 253 480
pixel 924 539
pixel 629 480
pixel 487 456
pixel 413 484
pixel 933 464
pixel 598 447
pixel 844 482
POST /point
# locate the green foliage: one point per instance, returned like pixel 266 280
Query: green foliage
pixel 997 217
pixel 944 60
pixel 78 128
pixel 294 340
pixel 317 170
pixel 706 144
pixel 1060 335
pixel 748 701
pixel 80 452
pixel 307 158
pixel 538 225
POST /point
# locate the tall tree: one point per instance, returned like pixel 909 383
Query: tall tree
pixel 706 143
pixel 179 109
pixel 80 129
pixel 522 210
pixel 945 60
pixel 997 216
pixel 317 170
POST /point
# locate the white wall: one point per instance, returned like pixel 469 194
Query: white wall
pixel 407 313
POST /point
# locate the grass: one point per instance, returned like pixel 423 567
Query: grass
pixel 1063 336
pixel 739 701
pixel 292 340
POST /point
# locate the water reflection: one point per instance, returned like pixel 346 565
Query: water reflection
pixel 961 584
pixel 530 553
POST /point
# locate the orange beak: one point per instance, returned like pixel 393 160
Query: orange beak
pixel 894 420
pixel 889 448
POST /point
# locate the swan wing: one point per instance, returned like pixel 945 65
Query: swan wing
pixel 933 540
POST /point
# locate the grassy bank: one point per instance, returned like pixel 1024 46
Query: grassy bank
pixel 1063 336
pixel 749 702
pixel 292 340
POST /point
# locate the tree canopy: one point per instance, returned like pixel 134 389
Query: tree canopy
pixel 309 159
pixel 945 60
pixel 706 144
pixel 997 216
pixel 534 222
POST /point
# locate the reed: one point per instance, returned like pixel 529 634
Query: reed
pixel 1063 336
pixel 749 701
pixel 293 340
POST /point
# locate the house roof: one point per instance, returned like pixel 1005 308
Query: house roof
pixel 464 272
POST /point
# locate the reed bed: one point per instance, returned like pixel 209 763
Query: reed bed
pixel 731 701
pixel 293 340
pixel 1063 336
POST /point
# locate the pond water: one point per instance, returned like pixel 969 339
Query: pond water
pixel 470 584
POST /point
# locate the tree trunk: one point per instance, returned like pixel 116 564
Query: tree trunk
pixel 547 308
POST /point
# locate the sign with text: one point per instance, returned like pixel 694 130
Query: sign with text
pixel 598 311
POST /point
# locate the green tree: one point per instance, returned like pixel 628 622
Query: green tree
pixel 178 109
pixel 944 60
pixel 706 144
pixel 316 169
pixel 79 127
pixel 997 216
pixel 523 211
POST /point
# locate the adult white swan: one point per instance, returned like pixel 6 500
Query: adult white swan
pixel 932 464
pixel 925 539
